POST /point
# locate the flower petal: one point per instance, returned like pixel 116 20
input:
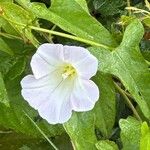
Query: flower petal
pixel 50 96
pixel 56 112
pixel 47 58
pixel 84 95
pixel 37 91
pixel 58 108
pixel 75 53
pixel 85 63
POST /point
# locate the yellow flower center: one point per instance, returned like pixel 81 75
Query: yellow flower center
pixel 69 71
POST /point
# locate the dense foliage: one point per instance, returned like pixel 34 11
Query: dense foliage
pixel 117 34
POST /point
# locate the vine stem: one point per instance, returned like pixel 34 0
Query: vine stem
pixel 147 62
pixel 70 37
pixel 10 36
pixel 6 132
pixel 137 10
pixel 44 135
pixel 63 35
pixel 128 5
pixel 128 101
pixel 130 96
pixel 73 145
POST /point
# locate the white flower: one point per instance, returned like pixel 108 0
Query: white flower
pixel 60 82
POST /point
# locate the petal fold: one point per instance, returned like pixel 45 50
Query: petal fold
pixel 84 95
pixel 58 108
pixel 47 59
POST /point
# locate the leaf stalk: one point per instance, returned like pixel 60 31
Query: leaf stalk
pixel 128 101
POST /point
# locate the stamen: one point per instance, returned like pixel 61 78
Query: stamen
pixel 69 71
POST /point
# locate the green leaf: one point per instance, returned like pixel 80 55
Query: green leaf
pixel 5 25
pixel 4 47
pixel 105 108
pixel 3 93
pixel 70 15
pixel 6 62
pixel 14 65
pixel 7 1
pixel 14 117
pixel 107 7
pixel 83 4
pixel 16 141
pixel 130 133
pixel 81 130
pixel 145 137
pixel 20 141
pixel 17 69
pixel 146 21
pixel 127 63
pixel 146 55
pixel 106 145
pixel 16 15
pixel 18 47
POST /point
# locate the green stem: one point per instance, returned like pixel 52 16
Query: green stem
pixel 6 132
pixel 63 35
pixel 147 62
pixel 128 5
pixel 48 37
pixel 128 101
pixel 44 135
pixel 10 36
pixel 128 94
pixel 73 145
pixel 70 37
pixel 137 10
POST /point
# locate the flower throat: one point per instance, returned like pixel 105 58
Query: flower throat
pixel 69 71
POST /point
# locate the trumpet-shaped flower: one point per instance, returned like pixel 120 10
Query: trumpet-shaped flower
pixel 61 82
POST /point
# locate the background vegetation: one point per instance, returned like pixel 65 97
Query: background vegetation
pixel 116 35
